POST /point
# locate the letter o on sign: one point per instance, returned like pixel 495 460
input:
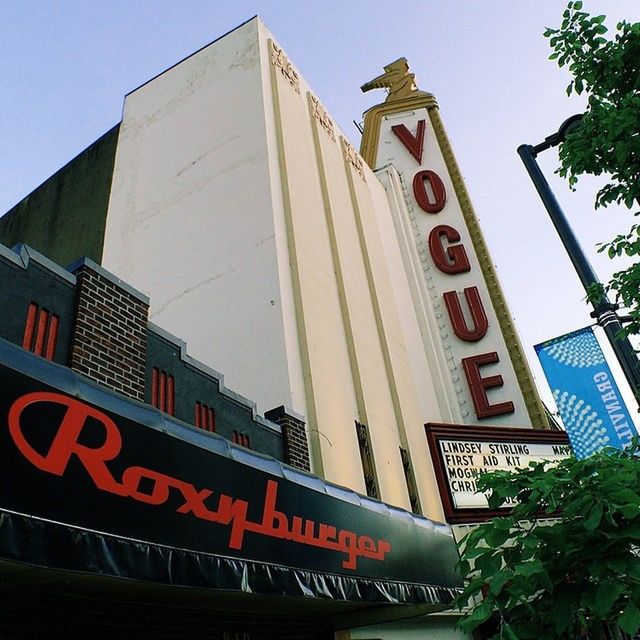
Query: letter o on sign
pixel 423 198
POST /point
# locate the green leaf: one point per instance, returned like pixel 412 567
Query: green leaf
pixel 480 613
pixel 625 495
pixel 619 564
pixel 597 567
pixel 474 552
pixel 495 499
pixel 464 567
pixel 594 517
pixel 630 511
pixel 507 632
pixel 562 618
pixel 498 581
pixel 530 568
pixel 488 565
pixel 473 589
pixel 580 504
pixel 633 568
pixel 526 630
pixel 629 621
pixel 504 524
pixel 497 537
pixel 606 596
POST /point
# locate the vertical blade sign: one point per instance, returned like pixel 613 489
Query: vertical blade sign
pixel 450 257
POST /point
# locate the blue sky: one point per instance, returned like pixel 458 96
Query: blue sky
pixel 66 66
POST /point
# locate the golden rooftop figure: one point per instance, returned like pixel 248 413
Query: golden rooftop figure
pixel 397 79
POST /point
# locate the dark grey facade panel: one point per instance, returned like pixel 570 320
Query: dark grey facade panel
pixel 27 278
pixel 193 385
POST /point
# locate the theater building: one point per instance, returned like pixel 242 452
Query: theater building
pixel 350 296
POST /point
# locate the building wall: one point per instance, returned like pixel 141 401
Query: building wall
pixel 98 321
pixel 243 212
pixel 239 231
pixel 190 218
pixel 264 240
pixel 323 349
pixel 64 218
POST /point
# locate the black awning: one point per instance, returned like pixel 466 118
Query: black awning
pixel 93 482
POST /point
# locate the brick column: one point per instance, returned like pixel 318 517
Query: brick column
pixel 296 446
pixel 109 341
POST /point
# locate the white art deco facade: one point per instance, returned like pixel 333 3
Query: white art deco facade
pixel 354 289
pixel 242 210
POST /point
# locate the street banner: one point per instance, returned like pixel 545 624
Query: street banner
pixel 587 397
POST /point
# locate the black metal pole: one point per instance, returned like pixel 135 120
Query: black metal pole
pixel 604 311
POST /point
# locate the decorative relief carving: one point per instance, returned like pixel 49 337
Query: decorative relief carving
pixel 320 114
pixel 397 80
pixel 280 61
pixel 353 157
pixel 435 296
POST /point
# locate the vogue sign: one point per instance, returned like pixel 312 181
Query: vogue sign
pixel 470 324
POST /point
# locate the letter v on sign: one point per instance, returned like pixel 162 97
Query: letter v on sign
pixel 414 144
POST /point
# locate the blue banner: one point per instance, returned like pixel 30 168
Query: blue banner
pixel 587 397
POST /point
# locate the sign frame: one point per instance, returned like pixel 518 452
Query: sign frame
pixel 436 432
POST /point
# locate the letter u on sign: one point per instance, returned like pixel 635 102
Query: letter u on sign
pixel 478 315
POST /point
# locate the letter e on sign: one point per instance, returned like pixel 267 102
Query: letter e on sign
pixel 478 386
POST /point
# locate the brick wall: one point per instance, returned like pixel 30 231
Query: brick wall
pixel 109 341
pixel 296 445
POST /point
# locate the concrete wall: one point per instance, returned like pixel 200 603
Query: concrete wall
pixel 352 346
pixel 190 217
pixel 64 218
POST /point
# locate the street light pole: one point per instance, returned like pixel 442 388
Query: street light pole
pixel 604 311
